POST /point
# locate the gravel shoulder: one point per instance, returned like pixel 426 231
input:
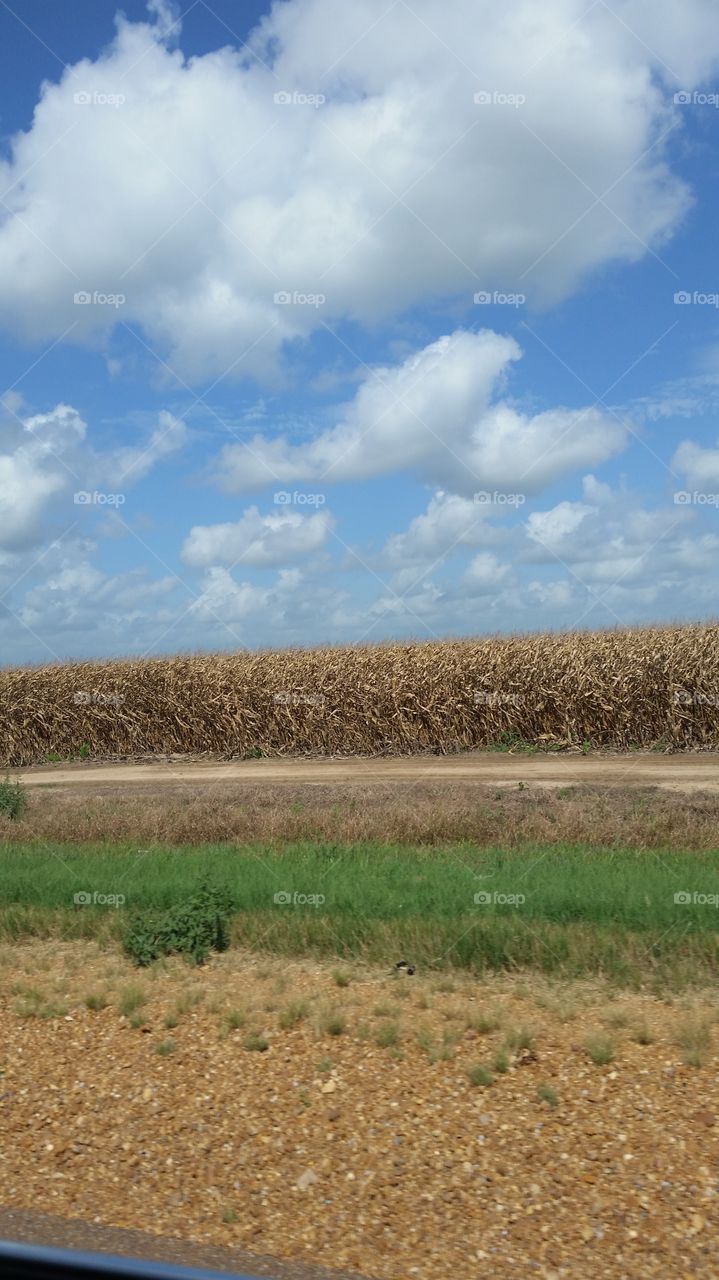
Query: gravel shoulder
pixel 592 1152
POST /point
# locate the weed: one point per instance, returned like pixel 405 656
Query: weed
pixel 13 800
pixel 546 1093
pixel 256 1043
pixel 601 1048
pixel 293 1014
pixel 387 1035
pixel 480 1075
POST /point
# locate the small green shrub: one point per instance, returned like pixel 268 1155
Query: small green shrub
pixel 387 1036
pixel 500 1062
pixel 480 1075
pixel 333 1024
pixel 256 1043
pixel 294 1012
pixel 132 998
pixel 601 1049
pixel 546 1093
pixel 194 928
pixel 13 800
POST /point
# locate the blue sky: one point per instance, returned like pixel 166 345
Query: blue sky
pixel 323 324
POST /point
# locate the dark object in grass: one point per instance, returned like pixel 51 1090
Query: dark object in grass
pixel 194 928
pixel 402 964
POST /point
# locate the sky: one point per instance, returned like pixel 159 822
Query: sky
pixel 326 324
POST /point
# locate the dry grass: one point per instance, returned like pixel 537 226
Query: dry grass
pixel 426 813
pixel 618 689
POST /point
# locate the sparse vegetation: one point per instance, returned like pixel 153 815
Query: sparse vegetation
pixel 332 1023
pixel 256 1043
pixel 693 1036
pixel 601 1048
pixel 296 1011
pixel 480 1075
pixel 387 1035
pixel 547 1094
pixel 131 999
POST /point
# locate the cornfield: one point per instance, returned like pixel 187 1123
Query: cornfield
pixel 626 688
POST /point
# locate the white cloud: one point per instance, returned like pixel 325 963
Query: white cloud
pixel 133 463
pixel 485 574
pixel 34 470
pixel 167 16
pixel 198 196
pixel 621 546
pixel 435 415
pixel 47 458
pixel 699 465
pixel 449 521
pixel 262 541
pixel 555 529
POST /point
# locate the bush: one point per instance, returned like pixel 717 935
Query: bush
pixel 13 800
pixel 193 929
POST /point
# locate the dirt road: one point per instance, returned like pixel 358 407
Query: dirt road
pixel 681 773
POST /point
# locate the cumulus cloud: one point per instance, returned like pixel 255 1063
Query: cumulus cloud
pixel 699 465
pixel 436 415
pixel 36 465
pixel 449 522
pixel 346 159
pixel 47 458
pixel 261 541
pixel 621 544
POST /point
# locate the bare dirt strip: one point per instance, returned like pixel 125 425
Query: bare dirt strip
pixel 679 773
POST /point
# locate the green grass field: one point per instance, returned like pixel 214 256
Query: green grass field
pixel 572 910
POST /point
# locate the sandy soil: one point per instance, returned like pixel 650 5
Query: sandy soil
pixel 679 773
